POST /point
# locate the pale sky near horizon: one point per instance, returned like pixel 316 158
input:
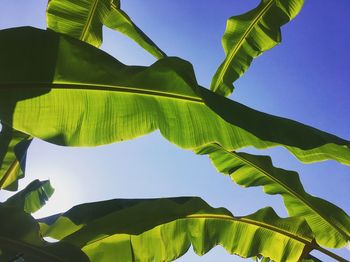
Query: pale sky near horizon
pixel 306 78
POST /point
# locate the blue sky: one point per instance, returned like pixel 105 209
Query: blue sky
pixel 306 78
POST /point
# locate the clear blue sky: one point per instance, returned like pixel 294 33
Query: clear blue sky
pixel 306 78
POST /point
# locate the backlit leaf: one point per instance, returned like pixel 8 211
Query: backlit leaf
pixel 329 223
pixel 250 34
pixel 77 95
pixel 164 229
pixel 83 20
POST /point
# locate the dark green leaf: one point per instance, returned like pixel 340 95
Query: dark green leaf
pixel 33 197
pixel 13 152
pixel 20 238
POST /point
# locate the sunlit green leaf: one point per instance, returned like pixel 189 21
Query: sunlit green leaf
pixel 164 229
pixel 33 197
pixel 83 19
pixel 329 223
pixel 78 95
pixel 13 152
pixel 250 34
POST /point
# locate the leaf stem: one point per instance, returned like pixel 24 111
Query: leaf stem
pixel 329 253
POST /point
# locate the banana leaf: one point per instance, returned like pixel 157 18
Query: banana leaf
pixel 83 20
pixel 249 35
pixel 13 152
pixel 77 95
pixel 329 223
pixel 20 240
pixel 33 197
pixel 164 229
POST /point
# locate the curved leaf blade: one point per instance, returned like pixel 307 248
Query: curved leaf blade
pixel 164 229
pixel 329 223
pixel 83 20
pixel 80 96
pixel 13 153
pixel 248 36
pixel 33 197
pixel 20 239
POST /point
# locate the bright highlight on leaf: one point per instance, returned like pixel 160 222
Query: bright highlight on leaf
pixel 329 223
pixel 83 20
pixel 249 35
pixel 164 229
pixel 57 86
pixel 81 96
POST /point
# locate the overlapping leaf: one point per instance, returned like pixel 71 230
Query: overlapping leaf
pixel 13 152
pixel 77 95
pixel 330 224
pixel 250 34
pixel 164 229
pixel 33 197
pixel 20 240
pixel 83 20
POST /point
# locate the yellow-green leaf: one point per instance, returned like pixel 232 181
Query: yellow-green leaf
pixel 77 95
pixel 249 35
pixel 83 20
pixel 164 229
pixel 329 223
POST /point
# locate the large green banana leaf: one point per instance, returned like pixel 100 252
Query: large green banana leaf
pixel 33 197
pixel 329 223
pixel 83 19
pixel 13 152
pixel 250 34
pixel 78 95
pixel 20 240
pixel 164 229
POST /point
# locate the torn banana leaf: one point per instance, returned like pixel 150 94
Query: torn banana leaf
pixel 164 229
pixel 329 223
pixel 33 197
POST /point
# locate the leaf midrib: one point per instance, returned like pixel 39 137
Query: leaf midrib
pixel 100 87
pixel 233 53
pixel 89 20
pixel 292 192
pixel 14 165
pixel 304 240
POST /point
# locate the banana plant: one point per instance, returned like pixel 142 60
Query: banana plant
pixel 78 95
